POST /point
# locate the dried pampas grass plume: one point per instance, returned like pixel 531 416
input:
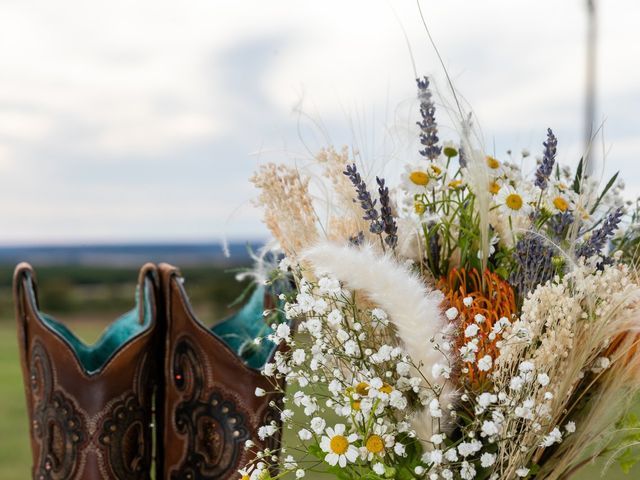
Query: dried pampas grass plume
pixel 414 309
pixel 288 208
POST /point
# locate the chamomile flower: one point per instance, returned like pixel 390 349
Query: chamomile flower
pixel 339 448
pixel 513 202
pixel 495 166
pixel 376 443
pixel 417 178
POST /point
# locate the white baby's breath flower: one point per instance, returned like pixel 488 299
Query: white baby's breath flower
pixel 485 363
pixel 260 392
pixel 298 356
pixel 334 318
pixel 471 330
pixel 266 431
pixel 522 472
pixel 317 424
pixel 555 436
pixel 487 460
pixel 543 379
pixel 451 313
pixel 327 285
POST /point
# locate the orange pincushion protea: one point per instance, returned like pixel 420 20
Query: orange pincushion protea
pixel 493 298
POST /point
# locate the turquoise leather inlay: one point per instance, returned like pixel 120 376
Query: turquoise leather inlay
pixel 240 330
pixel 93 358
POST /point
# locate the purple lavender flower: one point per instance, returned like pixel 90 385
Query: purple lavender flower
pixel 534 263
pixel 462 157
pixel 599 239
pixel 390 226
pixel 560 223
pixel 357 240
pixel 366 202
pixel 549 158
pixel 428 126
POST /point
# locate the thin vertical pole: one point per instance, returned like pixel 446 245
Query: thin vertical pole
pixel 590 92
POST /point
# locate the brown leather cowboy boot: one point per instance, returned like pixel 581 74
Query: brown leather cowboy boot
pixel 210 406
pixel 90 407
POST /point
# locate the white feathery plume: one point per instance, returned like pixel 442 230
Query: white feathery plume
pixel 414 309
pixel 477 177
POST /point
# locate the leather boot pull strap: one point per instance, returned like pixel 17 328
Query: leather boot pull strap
pixel 148 272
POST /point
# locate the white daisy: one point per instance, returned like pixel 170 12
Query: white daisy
pixel 420 177
pixel 376 443
pixel 416 178
pixel 339 447
pixel 513 202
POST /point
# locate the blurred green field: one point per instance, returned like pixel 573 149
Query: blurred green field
pixel 81 297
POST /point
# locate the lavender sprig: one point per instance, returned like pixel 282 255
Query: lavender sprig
pixel 428 126
pixel 599 239
pixel 390 226
pixel 357 240
pixel 534 263
pixel 462 157
pixel 560 223
pixel 549 158
pixel 366 202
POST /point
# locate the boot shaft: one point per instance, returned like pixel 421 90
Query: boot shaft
pixel 89 407
pixel 209 404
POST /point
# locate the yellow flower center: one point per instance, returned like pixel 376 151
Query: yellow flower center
pixel 493 163
pixel 436 169
pixel 386 388
pixel 494 188
pixel 375 444
pixel 514 201
pixel 355 404
pixel 339 444
pixel 362 389
pixel 419 178
pixel 455 183
pixel 245 477
pixel 561 204
pixel 419 208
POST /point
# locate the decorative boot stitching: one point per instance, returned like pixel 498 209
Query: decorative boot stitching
pixel 213 424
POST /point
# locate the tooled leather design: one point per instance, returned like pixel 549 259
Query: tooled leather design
pixel 125 436
pixel 64 434
pixel 58 426
pixel 213 424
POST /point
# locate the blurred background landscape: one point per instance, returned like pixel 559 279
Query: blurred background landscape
pixel 88 287
pixel 128 130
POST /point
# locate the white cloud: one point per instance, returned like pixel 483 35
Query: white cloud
pixel 105 104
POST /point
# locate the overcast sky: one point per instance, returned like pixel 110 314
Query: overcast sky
pixel 141 121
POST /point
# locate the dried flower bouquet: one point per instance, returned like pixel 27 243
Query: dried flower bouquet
pixel 474 322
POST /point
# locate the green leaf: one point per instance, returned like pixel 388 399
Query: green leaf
pixel 627 460
pixel 316 451
pixel 578 178
pixel 604 192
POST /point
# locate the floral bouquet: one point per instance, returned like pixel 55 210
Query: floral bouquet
pixel 479 321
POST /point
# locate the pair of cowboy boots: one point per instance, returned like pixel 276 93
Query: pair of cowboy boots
pixel 157 386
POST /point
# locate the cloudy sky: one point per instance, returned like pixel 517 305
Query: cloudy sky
pixel 141 121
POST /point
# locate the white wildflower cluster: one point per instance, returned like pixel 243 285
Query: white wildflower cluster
pixel 531 323
pixel 350 381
